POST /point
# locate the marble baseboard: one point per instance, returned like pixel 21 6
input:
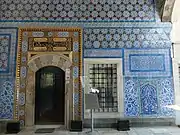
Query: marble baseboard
pixel 134 122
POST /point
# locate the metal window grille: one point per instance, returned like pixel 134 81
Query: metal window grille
pixel 104 78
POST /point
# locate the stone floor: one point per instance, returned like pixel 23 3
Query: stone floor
pixel 167 130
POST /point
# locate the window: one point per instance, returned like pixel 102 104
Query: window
pixel 104 78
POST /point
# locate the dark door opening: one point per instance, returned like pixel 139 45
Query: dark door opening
pixel 49 96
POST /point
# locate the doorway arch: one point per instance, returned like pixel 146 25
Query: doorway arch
pixel 37 63
pixel 31 58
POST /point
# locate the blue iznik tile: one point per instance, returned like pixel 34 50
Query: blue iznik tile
pixel 6 98
pixel 127 37
pixel 8 48
pixel 80 11
pixel 148 97
pixel 131 97
pixel 149 101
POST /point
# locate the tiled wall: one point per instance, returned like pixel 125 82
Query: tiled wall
pixel 144 68
pixel 147 65
pixel 127 37
pixel 78 10
pixel 8 47
pixel 127 29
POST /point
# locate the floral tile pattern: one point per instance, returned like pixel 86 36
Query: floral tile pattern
pixel 148 97
pixel 6 98
pixel 78 10
pixel 8 45
pixel 131 98
pixel 4 52
pixel 166 97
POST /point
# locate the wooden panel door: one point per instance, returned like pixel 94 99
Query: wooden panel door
pixel 50 96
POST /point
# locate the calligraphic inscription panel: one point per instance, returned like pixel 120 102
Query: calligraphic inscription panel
pixel 50 44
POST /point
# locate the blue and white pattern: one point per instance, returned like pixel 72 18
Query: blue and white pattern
pixel 152 63
pixel 22 98
pixel 24 46
pixel 76 102
pixel 75 72
pixel 166 97
pixel 126 37
pixel 75 46
pixel 5 40
pixel 8 47
pixel 149 101
pixel 148 97
pixel 79 10
pixel 131 98
pixel 38 34
pixel 63 34
pixel 146 62
pixel 23 72
pixel 6 98
pixel 102 53
pixel 76 98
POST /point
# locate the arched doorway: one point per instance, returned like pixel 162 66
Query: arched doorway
pixel 49 95
pixel 31 58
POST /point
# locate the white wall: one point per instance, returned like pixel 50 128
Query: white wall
pixel 117 61
pixel 175 37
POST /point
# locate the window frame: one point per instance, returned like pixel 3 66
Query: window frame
pixel 120 95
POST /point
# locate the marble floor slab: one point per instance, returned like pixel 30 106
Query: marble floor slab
pixel 167 130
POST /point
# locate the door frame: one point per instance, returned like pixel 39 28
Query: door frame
pixel 64 64
pixel 71 38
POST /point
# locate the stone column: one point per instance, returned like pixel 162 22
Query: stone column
pixel 30 99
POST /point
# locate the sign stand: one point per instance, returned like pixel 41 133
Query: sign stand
pixel 91 101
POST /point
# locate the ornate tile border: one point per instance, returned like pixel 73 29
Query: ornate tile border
pixel 24 36
pixel 149 63
pixel 166 26
pixel 8 47
pixel 102 53
pixel 5 41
